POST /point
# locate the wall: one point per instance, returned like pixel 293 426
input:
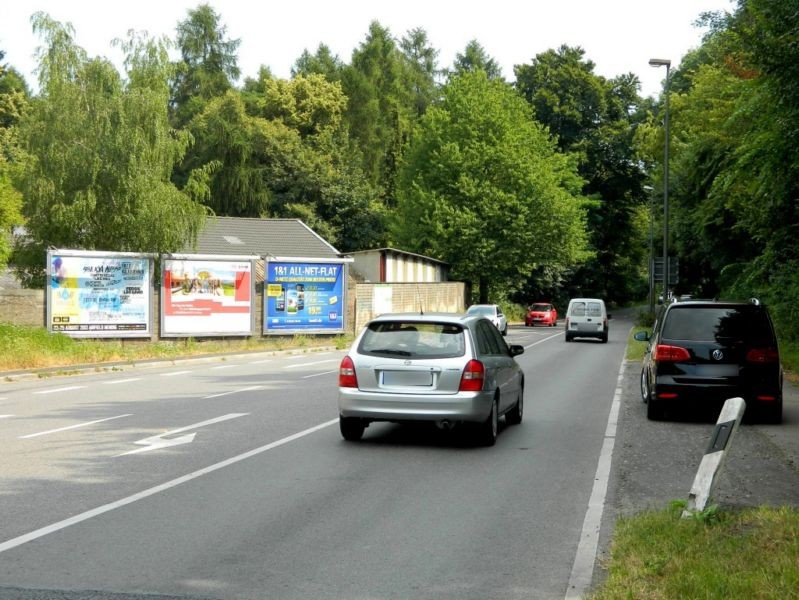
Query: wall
pixel 26 307
pixel 448 296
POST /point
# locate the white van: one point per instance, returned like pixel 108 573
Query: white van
pixel 587 317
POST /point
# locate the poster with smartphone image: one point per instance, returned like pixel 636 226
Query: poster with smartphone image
pixel 304 297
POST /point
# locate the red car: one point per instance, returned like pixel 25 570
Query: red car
pixel 541 313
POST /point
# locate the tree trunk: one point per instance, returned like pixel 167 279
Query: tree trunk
pixel 483 289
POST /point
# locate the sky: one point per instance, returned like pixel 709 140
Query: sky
pixel 619 36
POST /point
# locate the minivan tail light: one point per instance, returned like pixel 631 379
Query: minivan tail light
pixel 762 355
pixel 664 353
pixel 473 377
pixel 346 374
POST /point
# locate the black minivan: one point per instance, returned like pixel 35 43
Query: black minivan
pixel 702 353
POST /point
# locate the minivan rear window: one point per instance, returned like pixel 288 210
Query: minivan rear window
pixel 586 309
pixel 408 339
pixel 710 323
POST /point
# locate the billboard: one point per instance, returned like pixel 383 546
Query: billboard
pixel 99 294
pixel 304 296
pixel 207 295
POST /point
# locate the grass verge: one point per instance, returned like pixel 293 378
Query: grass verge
pixel 752 553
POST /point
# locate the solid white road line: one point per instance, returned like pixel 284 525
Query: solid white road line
pixel 84 516
pixel 116 381
pixel 583 567
pixel 33 435
pixel 247 389
pixel 309 364
pixel 6 416
pixel 319 374
pixel 63 389
pixel 174 373
pixel 544 340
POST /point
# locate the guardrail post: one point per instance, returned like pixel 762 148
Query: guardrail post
pixel 713 460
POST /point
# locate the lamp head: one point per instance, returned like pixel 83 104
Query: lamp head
pixel 659 62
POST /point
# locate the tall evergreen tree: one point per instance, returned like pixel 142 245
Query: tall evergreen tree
pixel 208 65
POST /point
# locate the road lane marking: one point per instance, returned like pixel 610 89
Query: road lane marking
pixel 316 362
pixel 62 389
pixel 115 381
pixel 544 340
pixel 223 367
pixel 174 373
pixel 247 389
pixel 583 568
pixel 6 416
pixel 33 435
pixel 261 362
pixel 319 374
pixel 156 442
pixel 84 516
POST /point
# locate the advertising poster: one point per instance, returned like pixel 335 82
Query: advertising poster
pixel 207 296
pixel 95 294
pixel 304 297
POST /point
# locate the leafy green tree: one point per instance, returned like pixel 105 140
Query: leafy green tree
pixel 380 106
pixel 208 66
pixel 323 62
pixel 103 152
pixel 14 101
pixel 423 70
pixel 484 189
pixel 595 119
pixel 474 58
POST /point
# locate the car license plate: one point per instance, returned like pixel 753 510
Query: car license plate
pixel 407 378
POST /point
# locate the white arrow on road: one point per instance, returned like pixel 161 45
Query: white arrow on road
pixel 156 442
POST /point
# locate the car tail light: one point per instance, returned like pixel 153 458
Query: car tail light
pixel 567 322
pixel 473 377
pixel 762 355
pixel 346 374
pixel 665 353
pixel 667 395
pixel 767 398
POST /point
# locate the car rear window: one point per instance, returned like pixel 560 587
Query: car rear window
pixel 406 339
pixel 481 310
pixel 540 307
pixel 586 309
pixel 711 323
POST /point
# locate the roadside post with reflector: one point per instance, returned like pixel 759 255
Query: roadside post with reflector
pixel 713 460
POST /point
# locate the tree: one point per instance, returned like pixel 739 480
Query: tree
pixel 323 62
pixel 103 153
pixel 484 188
pixel 13 104
pixel 380 106
pixel 595 119
pixel 476 58
pixel 208 65
pixel 422 68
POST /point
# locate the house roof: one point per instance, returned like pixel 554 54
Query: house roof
pixel 396 251
pixel 262 237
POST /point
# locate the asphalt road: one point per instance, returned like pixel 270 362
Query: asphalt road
pixel 263 499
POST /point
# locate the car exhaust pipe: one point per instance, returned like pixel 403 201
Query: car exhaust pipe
pixel 445 424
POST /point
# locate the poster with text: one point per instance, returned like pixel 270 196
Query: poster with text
pixel 99 295
pixel 206 297
pixel 304 297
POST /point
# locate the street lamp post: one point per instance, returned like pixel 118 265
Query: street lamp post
pixel 663 62
pixel 649 189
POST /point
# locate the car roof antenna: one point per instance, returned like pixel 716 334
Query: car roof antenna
pixel 419 298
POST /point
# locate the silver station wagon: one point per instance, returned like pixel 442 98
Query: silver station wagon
pixel 445 368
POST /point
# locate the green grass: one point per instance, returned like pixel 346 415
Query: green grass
pixel 720 554
pixel 24 347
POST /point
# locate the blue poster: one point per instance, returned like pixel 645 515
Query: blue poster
pixel 304 297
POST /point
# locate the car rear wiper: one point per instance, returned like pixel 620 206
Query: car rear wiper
pixel 391 351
